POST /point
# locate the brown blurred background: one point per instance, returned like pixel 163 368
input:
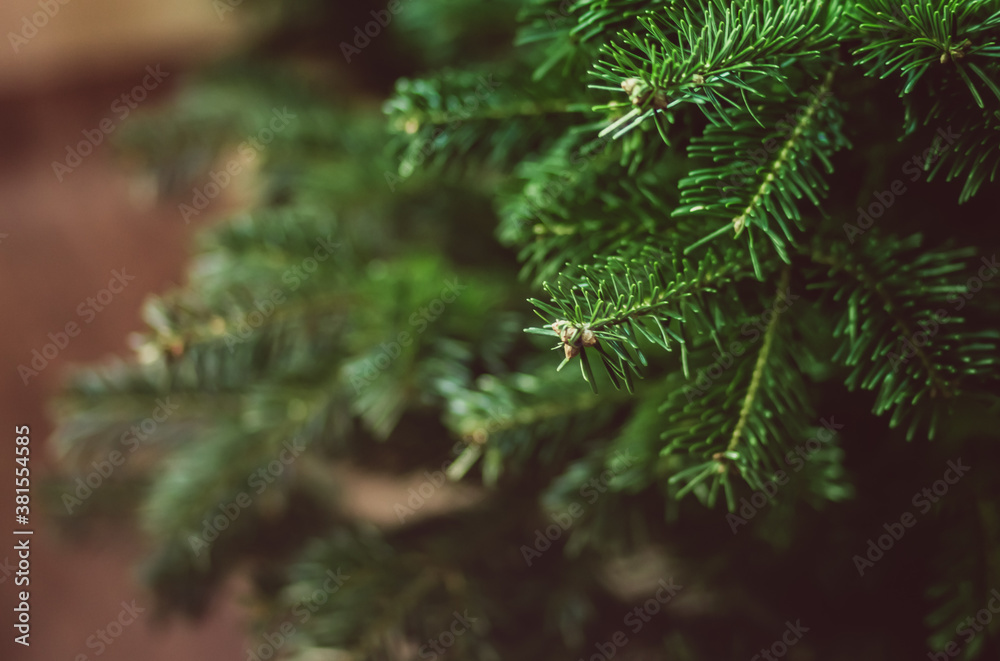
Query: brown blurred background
pixel 59 242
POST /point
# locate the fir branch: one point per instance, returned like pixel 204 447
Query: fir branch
pixel 758 370
pixel 507 420
pixel 703 56
pixel 614 305
pixel 457 114
pixel 743 421
pixel 915 35
pixel 411 123
pixel 795 157
pixel 976 152
pixel 893 289
pixel 893 309
pixel 371 640
pixel 784 156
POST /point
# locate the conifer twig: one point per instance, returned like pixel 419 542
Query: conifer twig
pixel 786 152
pixel 940 385
pixel 758 370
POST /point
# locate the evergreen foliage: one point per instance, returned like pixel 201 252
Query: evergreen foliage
pixel 735 216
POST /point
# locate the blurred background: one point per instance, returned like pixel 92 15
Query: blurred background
pixel 60 240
